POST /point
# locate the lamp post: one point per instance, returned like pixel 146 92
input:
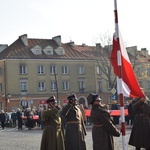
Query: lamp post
pixel 56 83
pixel 6 97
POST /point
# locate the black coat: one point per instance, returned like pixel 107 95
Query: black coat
pixel 140 134
pixel 14 116
pixel 2 117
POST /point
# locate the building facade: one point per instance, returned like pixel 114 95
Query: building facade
pixel 31 70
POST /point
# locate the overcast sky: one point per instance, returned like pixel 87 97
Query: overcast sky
pixel 81 21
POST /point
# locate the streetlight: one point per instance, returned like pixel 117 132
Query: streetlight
pixel 6 97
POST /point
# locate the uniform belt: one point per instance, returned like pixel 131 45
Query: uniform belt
pixel 98 125
pixel 73 122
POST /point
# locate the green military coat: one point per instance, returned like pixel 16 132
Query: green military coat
pixel 103 129
pixel 74 132
pixel 52 138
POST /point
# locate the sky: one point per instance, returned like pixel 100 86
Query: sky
pixel 81 21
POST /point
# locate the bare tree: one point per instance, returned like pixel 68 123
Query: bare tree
pixel 102 57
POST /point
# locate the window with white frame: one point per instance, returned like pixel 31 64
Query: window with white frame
pixel 99 71
pixel 64 69
pixel 65 85
pixel 48 50
pixel 37 50
pixel 100 85
pixel 81 70
pixel 53 85
pixel 41 86
pixel 81 86
pixel 41 70
pixel 23 69
pixel 148 84
pixel 23 85
pixel 53 70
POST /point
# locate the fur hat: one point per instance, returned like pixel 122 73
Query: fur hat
pixel 91 98
pixel 72 97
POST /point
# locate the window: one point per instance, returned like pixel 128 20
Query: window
pixel 41 70
pixel 148 71
pixel 48 50
pixel 23 86
pixel 64 69
pixel 53 85
pixel 41 86
pixel 81 70
pixel 81 86
pixel 148 84
pixel 100 86
pixel 0 71
pixel 36 50
pixel 1 87
pixel 65 85
pixel 108 86
pixel 53 70
pixel 99 71
pixel 23 69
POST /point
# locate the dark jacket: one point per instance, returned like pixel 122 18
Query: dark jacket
pixel 2 117
pixel 140 134
pixel 75 130
pixel 52 138
pixel 14 116
pixel 103 129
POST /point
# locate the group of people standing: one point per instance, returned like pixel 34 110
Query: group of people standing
pixel 72 135
pixel 19 118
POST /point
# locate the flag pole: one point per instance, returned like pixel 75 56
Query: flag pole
pixel 121 98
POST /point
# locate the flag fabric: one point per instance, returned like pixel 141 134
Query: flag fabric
pixel 127 84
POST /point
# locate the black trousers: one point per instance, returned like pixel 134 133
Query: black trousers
pixel 3 124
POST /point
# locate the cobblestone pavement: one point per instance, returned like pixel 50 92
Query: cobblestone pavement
pixel 12 139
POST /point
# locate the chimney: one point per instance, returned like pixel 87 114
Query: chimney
pixel 57 39
pixel 99 48
pixel 24 39
pixel 3 46
pixel 144 52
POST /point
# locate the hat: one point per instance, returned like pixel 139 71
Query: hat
pixel 72 97
pixel 52 99
pixel 91 98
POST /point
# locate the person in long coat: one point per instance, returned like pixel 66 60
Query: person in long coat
pixel 75 130
pixel 52 137
pixel 19 118
pixel 140 133
pixel 103 128
pixel 2 119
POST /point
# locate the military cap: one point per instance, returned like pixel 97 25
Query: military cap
pixel 92 97
pixel 52 99
pixel 72 97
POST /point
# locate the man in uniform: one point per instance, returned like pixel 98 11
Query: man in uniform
pixel 52 138
pixel 103 128
pixel 75 128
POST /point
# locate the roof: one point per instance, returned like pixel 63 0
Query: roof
pixel 18 50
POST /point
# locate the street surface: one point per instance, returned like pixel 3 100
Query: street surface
pixel 13 139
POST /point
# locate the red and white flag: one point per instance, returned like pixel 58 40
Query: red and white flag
pixel 127 84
